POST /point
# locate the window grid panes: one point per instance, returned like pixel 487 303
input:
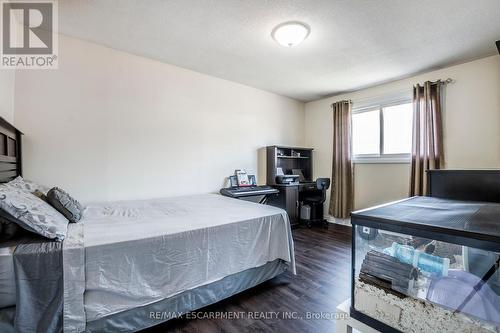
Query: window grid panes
pixel 382 132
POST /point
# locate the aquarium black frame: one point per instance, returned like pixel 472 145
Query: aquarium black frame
pixel 444 184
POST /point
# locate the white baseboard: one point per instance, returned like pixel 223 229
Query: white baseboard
pixel 331 219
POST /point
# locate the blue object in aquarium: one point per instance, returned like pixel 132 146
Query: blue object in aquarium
pixel 459 291
pixel 427 263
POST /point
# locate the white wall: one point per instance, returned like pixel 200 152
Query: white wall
pixel 109 125
pixel 7 85
pixel 471 128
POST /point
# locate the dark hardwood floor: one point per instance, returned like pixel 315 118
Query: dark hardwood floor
pixel 323 260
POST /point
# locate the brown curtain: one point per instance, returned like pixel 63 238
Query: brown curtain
pixel 427 142
pixel 341 198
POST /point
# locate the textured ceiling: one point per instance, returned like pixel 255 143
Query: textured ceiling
pixel 353 44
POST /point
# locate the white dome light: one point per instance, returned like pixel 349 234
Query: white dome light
pixel 290 33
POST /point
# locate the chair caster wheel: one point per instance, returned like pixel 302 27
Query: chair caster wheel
pixel 309 225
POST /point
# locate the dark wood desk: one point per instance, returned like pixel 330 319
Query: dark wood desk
pixel 289 160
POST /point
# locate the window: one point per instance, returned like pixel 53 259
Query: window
pixel 366 133
pixel 382 133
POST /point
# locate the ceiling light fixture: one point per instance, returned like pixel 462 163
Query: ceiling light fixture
pixel 290 34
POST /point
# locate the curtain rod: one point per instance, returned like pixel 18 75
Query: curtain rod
pixel 445 81
pixel 341 101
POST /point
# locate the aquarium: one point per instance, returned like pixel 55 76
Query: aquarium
pixel 427 265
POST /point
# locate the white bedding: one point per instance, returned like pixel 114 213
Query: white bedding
pixel 7 283
pixel 140 252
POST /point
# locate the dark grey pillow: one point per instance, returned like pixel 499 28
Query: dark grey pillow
pixel 65 204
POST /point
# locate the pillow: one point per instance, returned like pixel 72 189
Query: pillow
pixel 65 204
pixel 32 213
pixel 23 184
pixel 8 229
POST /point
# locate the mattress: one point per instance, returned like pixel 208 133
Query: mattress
pixel 142 252
pixel 7 283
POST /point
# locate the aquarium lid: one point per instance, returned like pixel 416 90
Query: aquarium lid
pixel 448 220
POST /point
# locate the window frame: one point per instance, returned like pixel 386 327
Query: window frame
pixel 380 158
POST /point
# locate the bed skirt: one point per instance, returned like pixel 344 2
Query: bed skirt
pixel 156 313
pixel 153 314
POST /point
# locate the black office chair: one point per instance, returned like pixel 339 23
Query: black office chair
pixel 315 200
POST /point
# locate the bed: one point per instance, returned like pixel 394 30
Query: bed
pixel 130 265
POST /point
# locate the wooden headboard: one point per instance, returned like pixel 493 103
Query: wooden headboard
pixel 470 185
pixel 10 152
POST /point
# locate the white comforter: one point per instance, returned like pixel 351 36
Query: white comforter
pixel 140 252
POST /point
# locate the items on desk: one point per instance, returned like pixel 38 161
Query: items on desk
pixel 284 160
pixel 234 182
pixel 299 173
pixel 287 179
pixel 242 177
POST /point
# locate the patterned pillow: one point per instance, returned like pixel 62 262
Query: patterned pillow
pixel 32 213
pixel 27 185
pixel 65 204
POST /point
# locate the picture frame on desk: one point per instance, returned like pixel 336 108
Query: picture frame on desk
pixel 233 181
pixel 242 177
